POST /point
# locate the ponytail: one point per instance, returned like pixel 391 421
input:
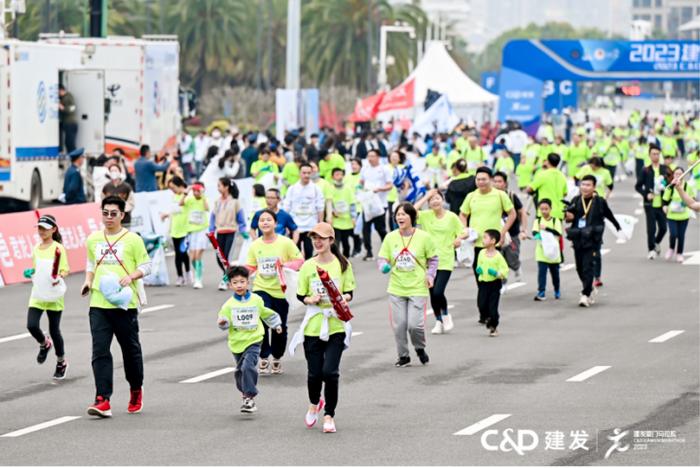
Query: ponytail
pixel 56 236
pixel 343 261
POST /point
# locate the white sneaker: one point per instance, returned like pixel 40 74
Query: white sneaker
pixel 189 277
pixel 518 275
pixel 180 281
pixel 311 418
pixel 438 329
pixel 275 366
pixel 264 366
pixel 222 285
pixel 584 302
pixel 447 323
pixel 329 426
pixel 651 255
pixel 197 285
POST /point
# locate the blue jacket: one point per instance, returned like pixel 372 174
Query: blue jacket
pixel 73 186
pixel 145 170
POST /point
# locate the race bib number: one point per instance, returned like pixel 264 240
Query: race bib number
pixel 676 207
pixel 341 207
pixel 196 217
pixel 245 318
pixel 319 290
pixel 102 252
pixel 267 267
pixel 303 208
pixel 472 165
pixel 405 261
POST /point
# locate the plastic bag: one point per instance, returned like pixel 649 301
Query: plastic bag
pixel 550 246
pixel 371 204
pixel 159 269
pixel 114 293
pixel 243 252
pixel 43 288
pixel 359 223
pixel 465 252
pixel 627 223
pixel 291 278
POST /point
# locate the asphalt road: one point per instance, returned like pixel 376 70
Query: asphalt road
pixel 467 407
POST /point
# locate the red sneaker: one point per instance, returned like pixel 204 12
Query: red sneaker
pixel 136 401
pixel 100 408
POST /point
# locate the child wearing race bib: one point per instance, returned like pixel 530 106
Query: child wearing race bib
pixel 342 209
pixel 324 335
pixel 46 256
pixel 243 316
pixel 412 259
pixel 677 216
pixel 196 207
pixel 544 262
pixel 266 257
pixel 492 269
pixel 178 231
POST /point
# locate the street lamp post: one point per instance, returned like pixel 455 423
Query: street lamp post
pixel 383 31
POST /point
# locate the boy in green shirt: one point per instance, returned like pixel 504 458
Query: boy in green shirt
pixel 242 316
pixel 491 269
pixel 546 222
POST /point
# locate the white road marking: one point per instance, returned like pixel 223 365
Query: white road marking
pixel 567 266
pixel 693 258
pixel 38 427
pixel 483 424
pixel 666 336
pixel 517 284
pixel 638 211
pixel 604 252
pixel 209 375
pixel 157 308
pixel 7 339
pixel 588 374
pixel 357 333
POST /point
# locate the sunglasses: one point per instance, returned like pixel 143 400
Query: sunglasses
pixel 110 214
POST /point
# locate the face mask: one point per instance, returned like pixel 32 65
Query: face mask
pixel 216 134
pixel 115 175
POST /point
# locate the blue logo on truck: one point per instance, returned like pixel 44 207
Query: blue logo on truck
pixel 41 102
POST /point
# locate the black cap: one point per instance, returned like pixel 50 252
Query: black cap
pixel 47 222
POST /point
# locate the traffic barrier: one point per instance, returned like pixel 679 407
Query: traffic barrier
pixel 18 236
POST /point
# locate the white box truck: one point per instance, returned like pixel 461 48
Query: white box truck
pixel 30 167
pixel 141 83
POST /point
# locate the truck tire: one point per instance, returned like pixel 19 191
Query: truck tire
pixel 35 191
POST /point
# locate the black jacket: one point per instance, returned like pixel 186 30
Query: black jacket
pixel 457 191
pixel 590 235
pixel 645 182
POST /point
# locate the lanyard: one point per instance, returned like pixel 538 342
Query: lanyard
pixel 586 209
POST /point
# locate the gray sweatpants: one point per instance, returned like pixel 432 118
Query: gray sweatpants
pixel 408 318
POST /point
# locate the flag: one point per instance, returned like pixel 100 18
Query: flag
pixel 438 118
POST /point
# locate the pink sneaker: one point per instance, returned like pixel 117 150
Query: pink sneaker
pixel 679 258
pixel 311 418
pixel 669 254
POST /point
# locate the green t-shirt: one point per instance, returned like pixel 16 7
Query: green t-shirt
pixel 551 184
pixel 577 156
pixel 290 176
pixel 178 219
pixel 677 209
pixel 325 168
pixel 197 214
pixel 541 224
pixel 505 164
pixel 602 177
pixel 485 211
pixel 408 269
pixel 669 146
pixel 443 231
pixel 309 284
pixel 43 258
pixel 453 157
pixel 475 157
pixel 262 168
pixel 435 161
pixel 264 256
pixel 613 155
pixel 246 321
pixel 342 199
pixel 130 250
pixel 497 262
pixel 524 172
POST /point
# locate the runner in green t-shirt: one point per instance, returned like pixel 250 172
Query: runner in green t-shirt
pixel 116 262
pixel 341 210
pixel 550 183
pixel 242 316
pixel 324 335
pixel 178 230
pixel 604 182
pixel 410 256
pixel 196 208
pixel 677 216
pixel 491 269
pixel 577 155
pixel 266 255
pixel 445 230
pixel 47 292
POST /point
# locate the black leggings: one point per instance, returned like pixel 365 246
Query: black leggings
pixel 226 243
pixel 33 325
pixel 323 365
pixel 181 258
pixel 274 343
pixel 342 237
pixel 438 301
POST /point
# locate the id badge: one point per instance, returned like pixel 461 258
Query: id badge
pixel 581 223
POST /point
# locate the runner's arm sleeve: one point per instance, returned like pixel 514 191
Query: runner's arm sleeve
pixel 270 317
pixel 432 267
pixel 240 219
pixel 145 268
pixel 609 215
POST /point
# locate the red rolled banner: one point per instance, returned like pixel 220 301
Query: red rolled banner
pixel 56 261
pixel 217 249
pixel 280 274
pixel 339 305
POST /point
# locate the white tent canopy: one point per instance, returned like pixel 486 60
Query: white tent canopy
pixel 437 71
